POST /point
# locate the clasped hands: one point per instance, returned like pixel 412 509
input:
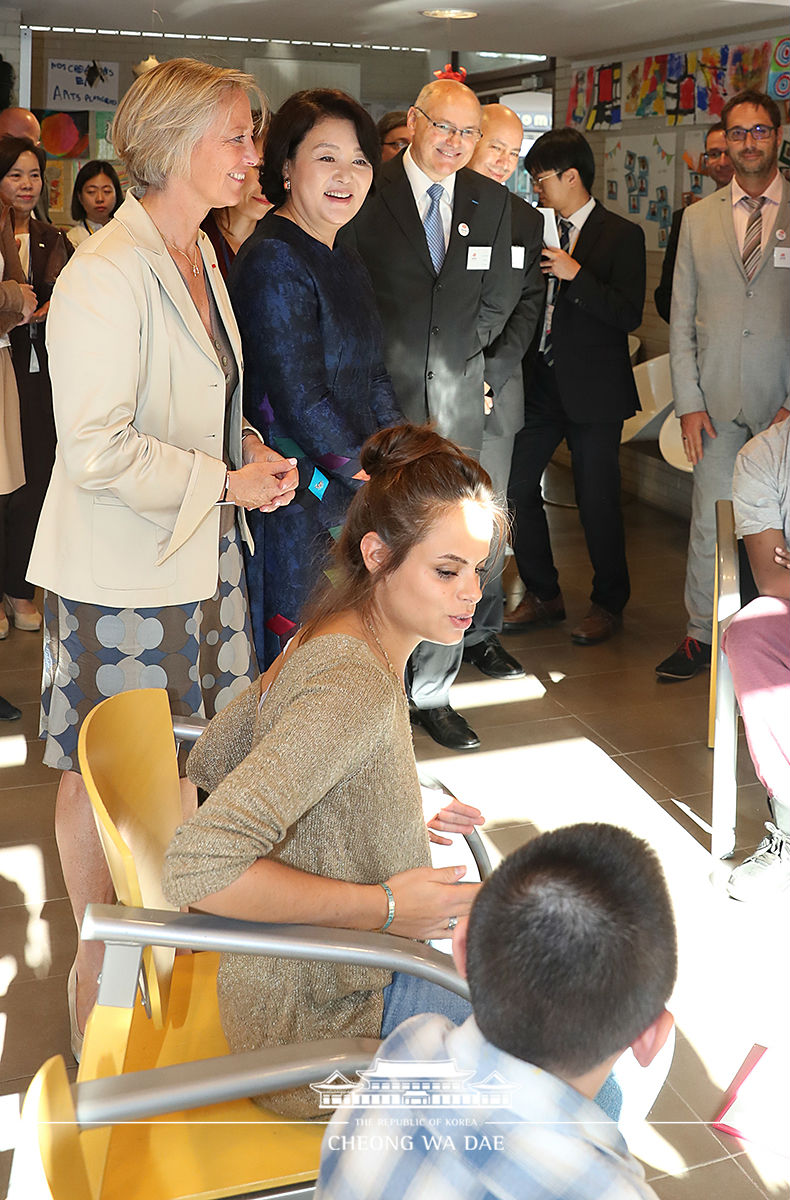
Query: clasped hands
pixel 267 481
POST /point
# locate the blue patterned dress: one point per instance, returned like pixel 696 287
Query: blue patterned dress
pixel 316 387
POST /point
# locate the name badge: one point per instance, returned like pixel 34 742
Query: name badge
pixel 517 258
pixel 478 258
pixel 782 256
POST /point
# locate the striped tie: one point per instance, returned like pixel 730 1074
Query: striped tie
pixel 753 238
pixel 565 227
pixel 434 231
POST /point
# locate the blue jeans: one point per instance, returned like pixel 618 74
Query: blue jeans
pixel 407 996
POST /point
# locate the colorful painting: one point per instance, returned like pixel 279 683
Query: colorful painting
pixel 645 84
pixel 723 71
pixel 64 134
pixel 679 89
pixel 779 71
pixel 604 109
pixel 580 98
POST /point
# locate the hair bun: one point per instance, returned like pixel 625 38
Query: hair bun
pixel 396 447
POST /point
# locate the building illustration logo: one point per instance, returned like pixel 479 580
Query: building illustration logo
pixel 413 1085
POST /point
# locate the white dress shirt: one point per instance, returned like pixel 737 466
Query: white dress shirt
pixel 420 182
pixel 741 212
pixel 577 220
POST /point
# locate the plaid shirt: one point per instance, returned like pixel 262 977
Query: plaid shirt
pixel 527 1136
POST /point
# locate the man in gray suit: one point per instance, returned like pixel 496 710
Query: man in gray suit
pixel 729 345
pixel 496 156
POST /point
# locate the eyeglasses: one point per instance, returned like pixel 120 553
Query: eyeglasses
pixel 709 154
pixel 760 133
pixel 398 143
pixel 471 134
pixel 537 180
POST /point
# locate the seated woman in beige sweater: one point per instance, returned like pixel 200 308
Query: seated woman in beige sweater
pixel 315 813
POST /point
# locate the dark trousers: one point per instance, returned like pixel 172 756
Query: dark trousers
pixel 594 448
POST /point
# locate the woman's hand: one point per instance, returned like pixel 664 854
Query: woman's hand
pixel 455 817
pixel 426 898
pixel 267 481
pixel 29 303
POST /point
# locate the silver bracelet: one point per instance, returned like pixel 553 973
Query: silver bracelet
pixel 390 907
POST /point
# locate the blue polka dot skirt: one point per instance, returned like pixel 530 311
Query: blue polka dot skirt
pixel 200 652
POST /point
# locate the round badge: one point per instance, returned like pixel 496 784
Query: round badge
pixel 463 229
pixel 780 235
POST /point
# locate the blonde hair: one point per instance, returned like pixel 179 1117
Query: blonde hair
pixel 167 111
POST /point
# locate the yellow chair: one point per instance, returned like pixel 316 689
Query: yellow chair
pixel 162 1059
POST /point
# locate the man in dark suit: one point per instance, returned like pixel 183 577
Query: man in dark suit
pixel 716 164
pixel 496 156
pixel 435 238
pixel 581 388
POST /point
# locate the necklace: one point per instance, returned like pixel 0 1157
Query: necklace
pixel 385 656
pixel 193 262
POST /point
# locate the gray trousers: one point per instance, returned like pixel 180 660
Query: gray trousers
pixel 432 668
pixel 712 482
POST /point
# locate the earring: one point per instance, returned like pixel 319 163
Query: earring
pixel 287 185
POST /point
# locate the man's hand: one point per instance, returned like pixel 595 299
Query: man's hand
pixel 692 425
pixel 781 415
pixel 558 262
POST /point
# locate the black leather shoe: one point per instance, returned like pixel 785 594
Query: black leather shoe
pixel 9 711
pixel 490 658
pixel 445 726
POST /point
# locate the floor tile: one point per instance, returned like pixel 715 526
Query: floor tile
pixel 676 1136
pixel 659 722
pixel 652 786
pixel 27 813
pixel 37 1025
pixel 602 692
pixel 687 769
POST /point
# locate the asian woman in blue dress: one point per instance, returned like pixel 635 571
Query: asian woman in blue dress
pixel 315 383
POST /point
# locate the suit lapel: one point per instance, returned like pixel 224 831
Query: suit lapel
pixel 782 223
pixel 728 226
pixel 465 203
pixel 588 236
pixel 397 196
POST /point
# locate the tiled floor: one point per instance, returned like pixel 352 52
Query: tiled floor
pixel 590 734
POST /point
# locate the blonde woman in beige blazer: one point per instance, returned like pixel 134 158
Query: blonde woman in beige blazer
pixel 154 462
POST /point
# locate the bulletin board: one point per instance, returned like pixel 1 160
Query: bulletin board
pixel 639 172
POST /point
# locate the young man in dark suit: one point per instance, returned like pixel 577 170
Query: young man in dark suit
pixel 435 238
pixel 580 388
pixel 496 156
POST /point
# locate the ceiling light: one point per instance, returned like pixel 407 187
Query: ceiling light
pixel 449 14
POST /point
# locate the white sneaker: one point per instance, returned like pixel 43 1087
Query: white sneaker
pixel 766 873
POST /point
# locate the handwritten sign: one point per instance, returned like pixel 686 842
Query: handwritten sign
pixel 73 84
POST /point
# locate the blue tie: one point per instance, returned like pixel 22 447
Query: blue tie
pixel 434 232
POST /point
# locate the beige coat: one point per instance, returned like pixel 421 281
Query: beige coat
pixel 12 471
pixel 130 518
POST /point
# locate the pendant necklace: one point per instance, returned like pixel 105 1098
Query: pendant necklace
pixel 193 262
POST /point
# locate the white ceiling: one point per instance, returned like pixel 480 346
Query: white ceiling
pixel 566 28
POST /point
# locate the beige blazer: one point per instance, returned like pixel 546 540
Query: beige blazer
pixel 130 518
pixel 12 471
pixel 728 336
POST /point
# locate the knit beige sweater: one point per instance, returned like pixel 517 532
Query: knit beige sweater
pixel 323 778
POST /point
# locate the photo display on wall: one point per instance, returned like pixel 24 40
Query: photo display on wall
pixel 639 174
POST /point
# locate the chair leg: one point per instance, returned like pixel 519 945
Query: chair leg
pixel 725 756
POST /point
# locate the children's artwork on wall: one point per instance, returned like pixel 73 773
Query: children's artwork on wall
pixel 679 90
pixel 644 87
pixel 723 71
pixel 779 70
pixel 104 147
pixel 604 111
pixel 642 192
pixel 580 98
pixel 63 134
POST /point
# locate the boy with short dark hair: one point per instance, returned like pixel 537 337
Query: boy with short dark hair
pixel 571 956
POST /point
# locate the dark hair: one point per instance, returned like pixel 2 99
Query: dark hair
pixel 759 100
pixel 391 120
pixel 293 121
pixel 559 150
pixel 11 148
pixel 571 948
pixel 96 166
pixel 719 127
pixel 415 476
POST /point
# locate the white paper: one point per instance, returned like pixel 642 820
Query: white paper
pixel 517 258
pixel 478 258
pixel 782 256
pixel 550 235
